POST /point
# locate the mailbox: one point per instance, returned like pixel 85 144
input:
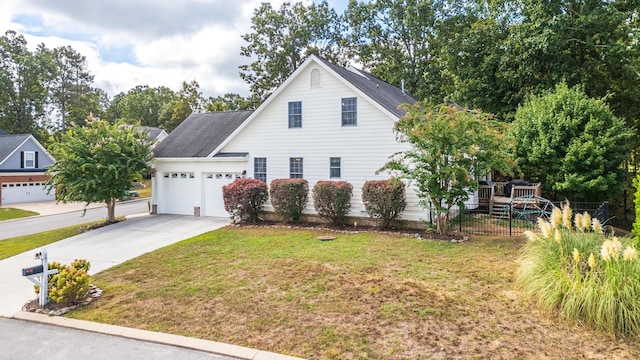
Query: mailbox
pixel 32 270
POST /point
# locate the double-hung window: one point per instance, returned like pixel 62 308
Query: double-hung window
pixel 295 114
pixel 29 160
pixel 349 111
pixel 260 168
pixel 295 168
pixel 334 168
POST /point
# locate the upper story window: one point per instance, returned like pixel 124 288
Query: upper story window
pixel 29 159
pixel 349 111
pixel 295 168
pixel 335 168
pixel 260 169
pixel 295 114
pixel 315 78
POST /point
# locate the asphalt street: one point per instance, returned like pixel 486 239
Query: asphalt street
pixel 32 225
pixel 27 340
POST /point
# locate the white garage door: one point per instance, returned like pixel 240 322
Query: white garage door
pixel 178 190
pixel 13 193
pixel 212 189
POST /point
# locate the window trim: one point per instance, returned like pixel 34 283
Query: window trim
pixel 332 167
pixel 33 160
pixel 260 175
pixel 345 110
pixel 294 119
pixel 293 161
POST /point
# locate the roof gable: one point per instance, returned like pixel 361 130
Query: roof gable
pixel 380 93
pixel 10 144
pixel 200 134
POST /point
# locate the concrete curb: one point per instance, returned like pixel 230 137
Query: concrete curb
pixel 213 347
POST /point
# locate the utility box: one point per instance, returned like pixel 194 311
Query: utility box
pixel 34 270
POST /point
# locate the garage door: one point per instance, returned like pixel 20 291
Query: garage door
pixel 212 189
pixel 177 190
pixel 13 193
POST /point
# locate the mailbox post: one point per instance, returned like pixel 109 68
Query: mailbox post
pixel 42 271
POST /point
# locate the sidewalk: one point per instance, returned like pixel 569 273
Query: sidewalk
pixel 51 207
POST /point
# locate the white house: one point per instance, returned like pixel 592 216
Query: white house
pixel 324 122
pixel 23 163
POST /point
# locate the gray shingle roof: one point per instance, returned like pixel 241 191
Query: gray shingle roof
pixel 200 134
pixel 385 94
pixel 8 143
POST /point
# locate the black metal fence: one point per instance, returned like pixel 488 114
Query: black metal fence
pixel 514 219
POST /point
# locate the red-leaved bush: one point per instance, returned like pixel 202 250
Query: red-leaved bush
pixel 243 199
pixel 289 198
pixel 384 201
pixel 332 200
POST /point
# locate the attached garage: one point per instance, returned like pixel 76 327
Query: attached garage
pixel 180 188
pixel 212 184
pixel 21 192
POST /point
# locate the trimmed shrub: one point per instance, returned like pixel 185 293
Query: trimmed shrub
pixel 332 200
pixel 289 198
pixel 71 284
pixel 384 201
pixel 243 199
pixel 572 268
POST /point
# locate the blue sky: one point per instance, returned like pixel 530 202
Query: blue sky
pixel 145 42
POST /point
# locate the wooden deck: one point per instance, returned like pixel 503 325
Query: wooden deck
pixel 493 196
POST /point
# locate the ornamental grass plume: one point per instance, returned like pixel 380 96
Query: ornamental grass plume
pixel 576 255
pixel 611 249
pixel 596 226
pixel 561 270
pixel 567 214
pixel 556 218
pixel 577 222
pixel 558 236
pixel 630 254
pixel 586 221
pixel 592 261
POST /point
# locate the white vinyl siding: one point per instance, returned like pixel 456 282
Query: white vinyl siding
pixel 370 143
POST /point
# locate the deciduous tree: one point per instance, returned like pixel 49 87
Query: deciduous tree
pixel 574 145
pixel 450 149
pixel 98 163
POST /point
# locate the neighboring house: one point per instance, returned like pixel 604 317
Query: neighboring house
pixel 324 122
pixel 156 135
pixel 23 163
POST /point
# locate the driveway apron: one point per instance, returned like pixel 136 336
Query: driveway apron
pixel 104 248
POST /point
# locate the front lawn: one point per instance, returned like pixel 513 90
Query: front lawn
pixel 19 244
pixel 360 296
pixel 11 213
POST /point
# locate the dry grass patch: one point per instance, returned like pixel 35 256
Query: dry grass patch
pixel 360 296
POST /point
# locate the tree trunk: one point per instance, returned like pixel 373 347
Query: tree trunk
pixel 111 211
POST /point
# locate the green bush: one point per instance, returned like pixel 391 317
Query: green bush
pixel 384 201
pixel 71 284
pixel 243 199
pixel 289 198
pixel 332 200
pixel 571 267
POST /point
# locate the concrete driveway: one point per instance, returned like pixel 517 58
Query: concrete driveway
pixel 104 247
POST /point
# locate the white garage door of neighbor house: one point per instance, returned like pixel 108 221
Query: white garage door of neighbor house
pixel 178 188
pixel 212 184
pixel 13 193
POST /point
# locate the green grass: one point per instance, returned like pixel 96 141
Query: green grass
pixel 14 246
pixel 11 213
pixel 360 296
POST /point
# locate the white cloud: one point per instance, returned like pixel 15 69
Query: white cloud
pixel 144 42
